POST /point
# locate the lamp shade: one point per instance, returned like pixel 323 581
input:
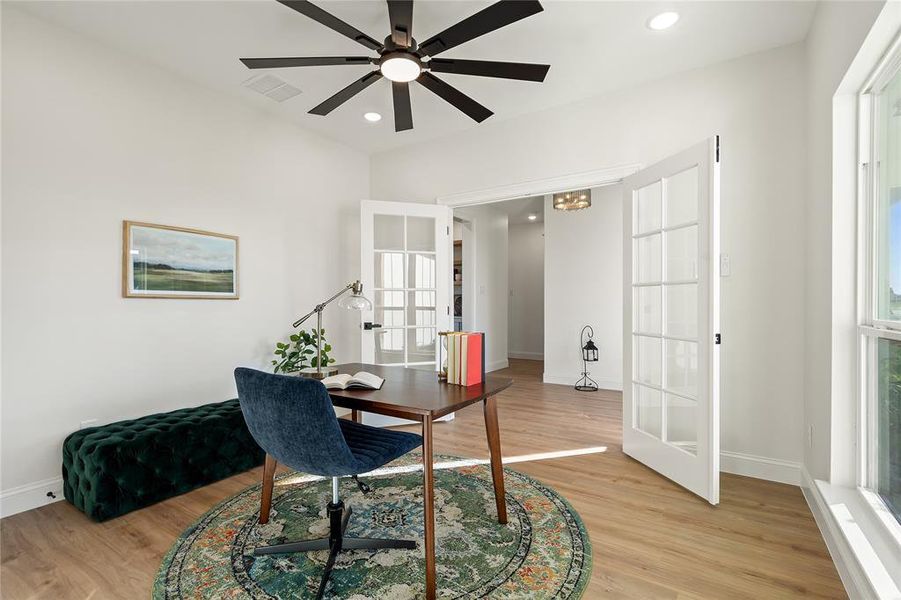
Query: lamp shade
pixel 355 301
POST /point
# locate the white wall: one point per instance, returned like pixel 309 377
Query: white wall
pixel 92 136
pixel 757 104
pixel 835 36
pixel 525 306
pixel 485 245
pixel 584 256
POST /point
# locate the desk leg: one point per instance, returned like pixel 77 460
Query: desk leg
pixel 428 501
pixel 497 466
pixel 356 416
pixel 268 482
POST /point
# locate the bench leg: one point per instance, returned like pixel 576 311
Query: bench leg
pixel 268 482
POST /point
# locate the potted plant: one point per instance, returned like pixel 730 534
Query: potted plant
pixel 299 352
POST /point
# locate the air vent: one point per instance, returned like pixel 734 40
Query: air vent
pixel 271 87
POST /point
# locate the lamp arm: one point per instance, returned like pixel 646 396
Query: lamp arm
pixel 354 285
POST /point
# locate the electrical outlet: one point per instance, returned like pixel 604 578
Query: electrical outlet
pixel 87 423
pixel 725 265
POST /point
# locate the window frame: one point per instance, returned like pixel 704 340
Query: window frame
pixel 871 329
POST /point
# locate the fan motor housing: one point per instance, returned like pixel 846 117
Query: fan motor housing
pixel 390 46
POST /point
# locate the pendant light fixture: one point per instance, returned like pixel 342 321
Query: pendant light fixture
pixel 572 200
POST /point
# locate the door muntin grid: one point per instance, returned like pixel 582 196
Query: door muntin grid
pixel 405 290
pixel 666 312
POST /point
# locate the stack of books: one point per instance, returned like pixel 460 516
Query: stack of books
pixel 465 357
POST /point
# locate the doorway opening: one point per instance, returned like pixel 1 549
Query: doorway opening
pixel 531 277
pixel 498 278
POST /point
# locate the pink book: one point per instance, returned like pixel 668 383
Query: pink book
pixel 473 359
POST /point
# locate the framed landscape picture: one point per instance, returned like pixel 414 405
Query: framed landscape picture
pixel 159 261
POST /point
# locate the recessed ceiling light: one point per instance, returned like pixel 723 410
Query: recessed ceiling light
pixel 664 20
pixel 373 117
pixel 533 217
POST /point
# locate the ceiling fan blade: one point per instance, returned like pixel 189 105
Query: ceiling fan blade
pixel 485 21
pixel 304 61
pixel 346 94
pixel 473 109
pixel 332 22
pixel 488 68
pixel 403 112
pixel 400 13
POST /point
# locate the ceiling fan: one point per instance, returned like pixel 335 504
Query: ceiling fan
pixel 401 58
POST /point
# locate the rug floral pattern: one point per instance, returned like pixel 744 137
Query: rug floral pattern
pixel 542 552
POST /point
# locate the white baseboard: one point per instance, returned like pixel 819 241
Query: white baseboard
pixel 31 495
pixel 852 575
pixel 496 365
pixel 526 355
pixel 760 467
pixel 570 380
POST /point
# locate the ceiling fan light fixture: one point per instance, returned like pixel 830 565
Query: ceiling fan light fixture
pixel 400 66
pixel 372 117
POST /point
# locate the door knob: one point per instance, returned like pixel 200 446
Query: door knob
pixel 369 325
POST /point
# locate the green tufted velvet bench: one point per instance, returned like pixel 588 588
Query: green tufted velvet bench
pixel 117 468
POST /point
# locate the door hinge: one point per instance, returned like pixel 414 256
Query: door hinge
pixel 717 148
pixel 447 230
pixel 718 339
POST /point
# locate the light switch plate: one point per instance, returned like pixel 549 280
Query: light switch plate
pixel 725 265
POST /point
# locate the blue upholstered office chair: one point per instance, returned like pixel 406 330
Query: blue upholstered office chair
pixel 292 419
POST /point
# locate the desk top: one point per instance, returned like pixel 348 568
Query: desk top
pixel 412 393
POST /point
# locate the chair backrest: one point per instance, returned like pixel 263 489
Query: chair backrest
pixel 292 419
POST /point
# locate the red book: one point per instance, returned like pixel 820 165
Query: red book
pixel 473 359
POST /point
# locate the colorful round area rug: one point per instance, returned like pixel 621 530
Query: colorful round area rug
pixel 542 552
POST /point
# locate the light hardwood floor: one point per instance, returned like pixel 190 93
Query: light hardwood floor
pixel 651 538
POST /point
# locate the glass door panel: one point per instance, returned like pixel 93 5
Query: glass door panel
pixel 648 309
pixel 388 232
pixel 649 410
pixel 647 208
pixel 682 198
pixel 681 367
pixel 682 254
pixel 648 267
pixel 682 311
pixel 681 420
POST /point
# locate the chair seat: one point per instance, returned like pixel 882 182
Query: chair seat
pixel 373 447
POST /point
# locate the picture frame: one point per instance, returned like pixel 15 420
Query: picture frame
pixel 163 261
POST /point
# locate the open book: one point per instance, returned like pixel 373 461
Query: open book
pixel 360 380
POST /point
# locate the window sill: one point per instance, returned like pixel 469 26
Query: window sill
pixel 865 550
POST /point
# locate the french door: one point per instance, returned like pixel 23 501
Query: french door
pixel 671 318
pixel 405 250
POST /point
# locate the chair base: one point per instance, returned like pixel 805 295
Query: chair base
pixel 335 543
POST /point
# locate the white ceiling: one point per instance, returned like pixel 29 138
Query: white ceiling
pixel 592 47
pixel 518 210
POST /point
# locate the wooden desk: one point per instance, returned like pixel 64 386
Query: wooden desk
pixel 418 396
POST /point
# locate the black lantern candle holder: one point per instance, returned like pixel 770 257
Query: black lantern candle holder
pixel 589 354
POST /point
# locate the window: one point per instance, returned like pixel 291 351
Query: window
pixel 880 423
